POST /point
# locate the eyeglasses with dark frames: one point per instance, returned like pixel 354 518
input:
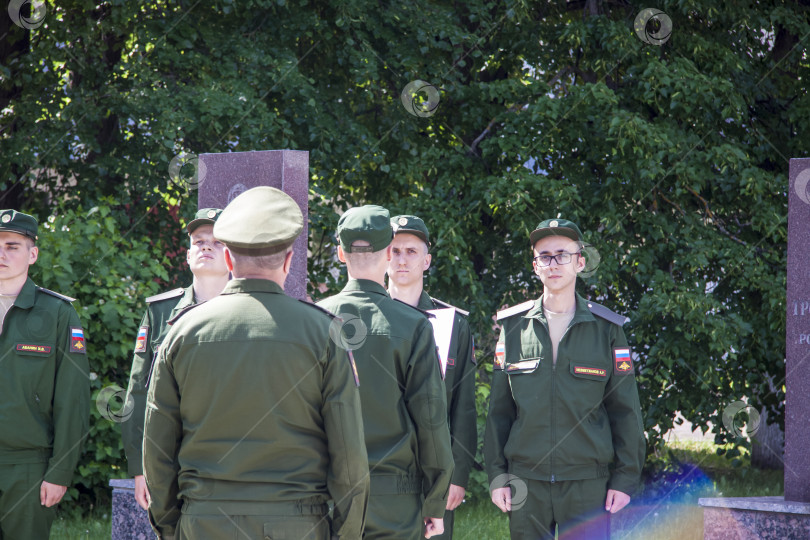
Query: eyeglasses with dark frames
pixel 559 258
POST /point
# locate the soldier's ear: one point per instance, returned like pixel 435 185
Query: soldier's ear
pixel 33 255
pixel 228 260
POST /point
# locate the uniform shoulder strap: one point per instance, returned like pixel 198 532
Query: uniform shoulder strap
pixel 446 305
pixel 601 311
pixel 56 294
pixel 422 311
pixel 319 308
pixel 174 293
pixel 182 312
pixel 515 310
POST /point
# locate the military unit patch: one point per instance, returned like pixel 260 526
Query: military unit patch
pixel 623 362
pixel 500 355
pixel 140 342
pixel 582 370
pixel 77 344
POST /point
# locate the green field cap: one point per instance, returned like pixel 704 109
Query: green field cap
pixel 204 216
pixel 17 222
pixel 556 227
pixel 370 223
pixel 262 218
pixel 411 225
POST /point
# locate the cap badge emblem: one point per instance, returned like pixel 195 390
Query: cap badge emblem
pixel 212 213
pixel 554 224
pixel 402 221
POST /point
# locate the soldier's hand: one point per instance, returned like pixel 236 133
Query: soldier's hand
pixel 455 497
pixel 616 500
pixel 141 492
pixel 502 497
pixel 433 527
pixel 51 494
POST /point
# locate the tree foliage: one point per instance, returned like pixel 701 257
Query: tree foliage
pixel 672 158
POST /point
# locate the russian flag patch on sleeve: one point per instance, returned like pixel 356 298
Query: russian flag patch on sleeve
pixel 77 344
pixel 622 360
pixel 500 355
pixel 140 341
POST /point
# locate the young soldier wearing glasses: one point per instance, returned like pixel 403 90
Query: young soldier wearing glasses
pixel 564 416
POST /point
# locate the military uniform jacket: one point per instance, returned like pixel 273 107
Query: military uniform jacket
pixel 44 384
pixel 403 398
pixel 577 420
pixel 250 401
pixel 151 333
pixel 459 383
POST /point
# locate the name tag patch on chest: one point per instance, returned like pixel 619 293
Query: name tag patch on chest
pixel 23 347
pixel 623 362
pixel 77 340
pixel 140 341
pixel 582 370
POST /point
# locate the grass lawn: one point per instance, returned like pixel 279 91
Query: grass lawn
pixel 666 509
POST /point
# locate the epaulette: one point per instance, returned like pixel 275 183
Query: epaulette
pixel 56 294
pixel 183 312
pixel 174 293
pixel 445 304
pixel 601 311
pixel 422 311
pixel 515 310
pixel 319 308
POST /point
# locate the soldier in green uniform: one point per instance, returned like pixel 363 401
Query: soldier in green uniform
pixel 564 416
pixel 409 260
pixel 253 416
pixel 206 259
pixel 44 388
pixel 403 399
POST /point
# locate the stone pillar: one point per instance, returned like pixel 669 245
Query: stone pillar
pixel 221 177
pixel 129 520
pixel 797 339
pixel 788 517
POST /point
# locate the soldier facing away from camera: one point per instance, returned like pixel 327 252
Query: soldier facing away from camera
pixel 403 399
pixel 564 415
pixel 44 388
pixel 253 416
pixel 206 260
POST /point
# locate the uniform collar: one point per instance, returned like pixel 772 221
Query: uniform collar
pixel 581 314
pixel 27 296
pixel 365 285
pixel 425 302
pixel 245 285
pixel 185 301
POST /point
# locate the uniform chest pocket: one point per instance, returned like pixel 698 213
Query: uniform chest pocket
pixel 589 372
pixel 529 365
pixel 34 349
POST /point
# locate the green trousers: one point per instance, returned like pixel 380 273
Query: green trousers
pixel 394 517
pixel 22 516
pixel 234 521
pixel 576 509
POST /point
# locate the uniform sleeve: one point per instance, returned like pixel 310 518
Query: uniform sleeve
pixel 162 434
pixel 462 414
pixel 624 411
pixel 348 477
pixel 132 428
pixel 502 413
pixel 427 405
pixel 71 401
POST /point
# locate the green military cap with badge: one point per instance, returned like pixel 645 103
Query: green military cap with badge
pixel 204 216
pixel 556 227
pixel 411 225
pixel 370 223
pixel 17 222
pixel 261 221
